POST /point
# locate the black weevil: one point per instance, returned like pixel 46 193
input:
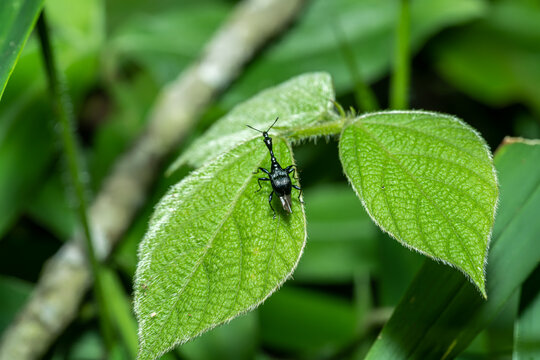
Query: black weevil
pixel 278 177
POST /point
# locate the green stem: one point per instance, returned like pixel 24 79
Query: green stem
pixel 327 128
pixel 62 107
pixel 399 87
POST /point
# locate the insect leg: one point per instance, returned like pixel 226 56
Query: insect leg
pixel 299 194
pixel 292 169
pixel 259 182
pixel 263 170
pixel 270 202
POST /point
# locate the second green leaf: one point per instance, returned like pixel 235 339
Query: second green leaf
pixel 428 180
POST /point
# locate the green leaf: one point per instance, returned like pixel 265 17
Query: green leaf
pixel 428 180
pixel 302 100
pixel 17 19
pixel 443 311
pixel 213 250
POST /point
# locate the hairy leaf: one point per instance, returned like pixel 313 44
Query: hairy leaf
pixel 302 100
pixel 428 180
pixel 213 250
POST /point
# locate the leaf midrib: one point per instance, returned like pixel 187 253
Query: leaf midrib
pixel 211 239
pixel 420 188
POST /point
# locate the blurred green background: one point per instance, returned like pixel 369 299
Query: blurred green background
pixel 476 59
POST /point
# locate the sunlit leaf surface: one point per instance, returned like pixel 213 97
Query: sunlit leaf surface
pixel 213 249
pixel 428 180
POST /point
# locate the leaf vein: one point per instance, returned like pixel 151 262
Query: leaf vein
pixel 446 161
pixel 427 134
pixel 421 190
pixel 208 246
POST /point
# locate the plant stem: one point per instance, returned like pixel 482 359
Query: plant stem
pixel 62 107
pixel 399 87
pixel 328 128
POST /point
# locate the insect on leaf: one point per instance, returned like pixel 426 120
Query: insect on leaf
pixel 212 250
pixel 428 180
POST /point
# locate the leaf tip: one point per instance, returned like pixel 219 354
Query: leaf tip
pixel 482 288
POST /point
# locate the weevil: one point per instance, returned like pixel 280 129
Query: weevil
pixel 278 176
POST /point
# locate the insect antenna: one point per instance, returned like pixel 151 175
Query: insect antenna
pixel 262 132
pixel 251 127
pixel 274 123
